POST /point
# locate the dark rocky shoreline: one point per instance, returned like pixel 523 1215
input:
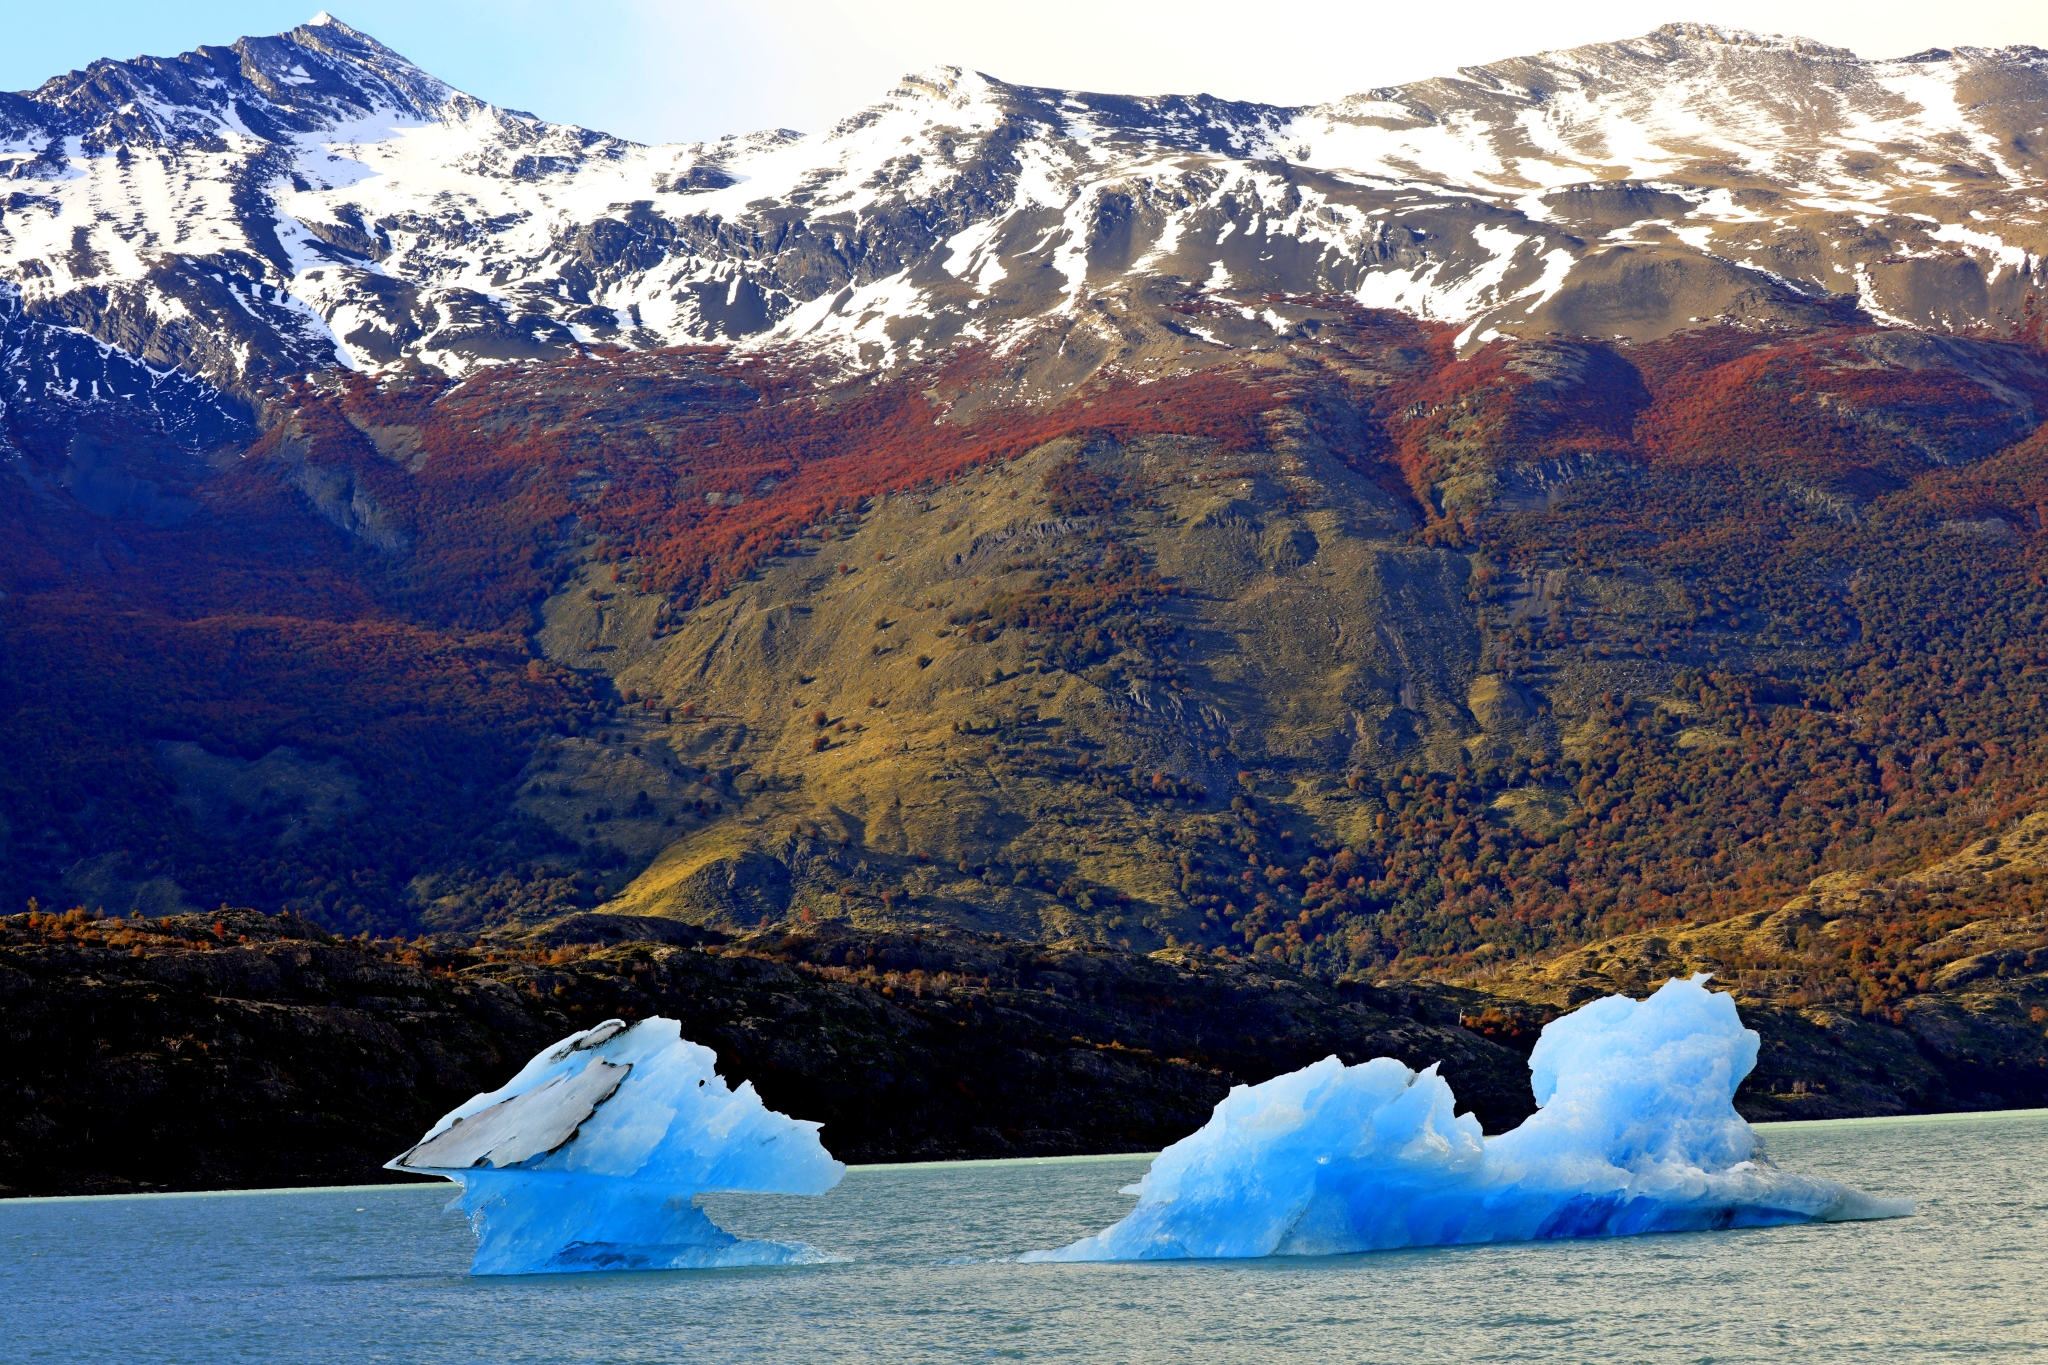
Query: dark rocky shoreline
pixel 241 1050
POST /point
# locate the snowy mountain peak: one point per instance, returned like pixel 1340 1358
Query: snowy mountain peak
pixel 951 85
pixel 266 89
pixel 1748 38
pixel 313 200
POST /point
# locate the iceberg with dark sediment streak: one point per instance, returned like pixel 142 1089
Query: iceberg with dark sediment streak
pixel 591 1158
pixel 1636 1131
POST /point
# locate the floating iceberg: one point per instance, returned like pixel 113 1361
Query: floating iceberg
pixel 1635 1131
pixel 592 1156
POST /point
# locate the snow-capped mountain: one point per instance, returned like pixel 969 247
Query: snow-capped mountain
pixel 313 200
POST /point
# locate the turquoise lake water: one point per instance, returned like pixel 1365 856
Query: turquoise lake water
pixel 377 1274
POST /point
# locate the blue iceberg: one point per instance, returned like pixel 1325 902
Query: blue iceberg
pixel 1635 1131
pixel 591 1158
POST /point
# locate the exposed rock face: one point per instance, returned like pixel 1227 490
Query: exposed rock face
pixel 1500 704
pixel 978 754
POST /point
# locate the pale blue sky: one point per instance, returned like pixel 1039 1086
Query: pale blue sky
pixel 684 69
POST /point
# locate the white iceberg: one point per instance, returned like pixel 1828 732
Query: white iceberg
pixel 591 1158
pixel 1636 1131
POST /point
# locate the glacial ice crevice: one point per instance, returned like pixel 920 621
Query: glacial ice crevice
pixel 591 1158
pixel 1636 1131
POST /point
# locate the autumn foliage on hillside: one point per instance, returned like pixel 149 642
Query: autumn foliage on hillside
pixel 361 586
pixel 1813 508
pixel 1510 403
pixel 692 466
pixel 1849 660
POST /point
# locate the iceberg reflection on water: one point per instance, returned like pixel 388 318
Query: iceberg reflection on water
pixel 591 1158
pixel 1636 1131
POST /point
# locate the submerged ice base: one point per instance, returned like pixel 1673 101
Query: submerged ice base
pixel 1635 1131
pixel 592 1157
